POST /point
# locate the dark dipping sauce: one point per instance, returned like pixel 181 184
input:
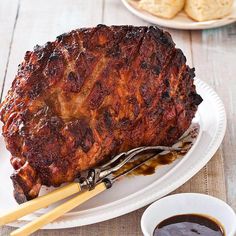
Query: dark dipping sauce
pixel 189 225
pixel 149 162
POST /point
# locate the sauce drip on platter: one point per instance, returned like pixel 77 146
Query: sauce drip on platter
pixel 158 159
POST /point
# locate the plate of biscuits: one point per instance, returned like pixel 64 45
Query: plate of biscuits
pixel 184 14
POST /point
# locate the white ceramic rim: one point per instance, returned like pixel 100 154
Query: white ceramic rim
pixel 171 23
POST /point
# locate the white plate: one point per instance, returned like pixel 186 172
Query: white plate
pixel 132 193
pixel 181 21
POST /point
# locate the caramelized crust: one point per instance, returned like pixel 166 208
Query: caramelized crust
pixel 92 93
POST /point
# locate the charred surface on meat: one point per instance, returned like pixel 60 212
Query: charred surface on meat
pixel 92 93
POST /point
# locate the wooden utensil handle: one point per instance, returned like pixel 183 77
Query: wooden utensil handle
pixel 40 202
pixel 58 211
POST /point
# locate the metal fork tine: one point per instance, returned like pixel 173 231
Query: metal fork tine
pixel 132 153
pixel 115 158
pixel 136 152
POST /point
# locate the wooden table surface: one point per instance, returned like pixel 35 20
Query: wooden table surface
pixel 25 23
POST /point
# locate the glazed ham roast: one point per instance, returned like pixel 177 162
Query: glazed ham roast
pixel 92 93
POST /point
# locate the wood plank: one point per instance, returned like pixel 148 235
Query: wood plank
pixel 127 225
pixel 209 180
pixel 8 17
pixel 115 13
pixel 42 23
pixel 214 55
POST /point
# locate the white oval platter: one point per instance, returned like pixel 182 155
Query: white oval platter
pixel 132 193
pixel 181 20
